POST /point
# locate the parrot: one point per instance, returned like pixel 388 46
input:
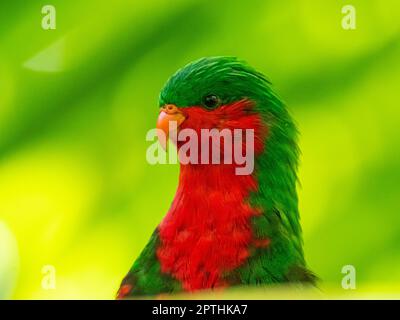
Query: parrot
pixel 225 229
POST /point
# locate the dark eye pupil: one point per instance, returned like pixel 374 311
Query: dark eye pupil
pixel 211 101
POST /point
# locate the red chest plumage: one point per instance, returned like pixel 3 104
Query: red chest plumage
pixel 207 231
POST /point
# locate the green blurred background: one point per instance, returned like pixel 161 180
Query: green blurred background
pixel 76 191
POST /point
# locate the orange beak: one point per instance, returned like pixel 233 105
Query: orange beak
pixel 169 119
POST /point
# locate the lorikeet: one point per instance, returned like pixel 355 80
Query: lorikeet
pixel 225 229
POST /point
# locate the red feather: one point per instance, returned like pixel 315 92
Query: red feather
pixel 207 231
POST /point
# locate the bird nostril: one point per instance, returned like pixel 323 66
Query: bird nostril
pixel 170 108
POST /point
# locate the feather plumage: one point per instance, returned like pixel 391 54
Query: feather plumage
pixel 223 229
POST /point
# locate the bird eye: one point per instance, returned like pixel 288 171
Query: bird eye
pixel 210 101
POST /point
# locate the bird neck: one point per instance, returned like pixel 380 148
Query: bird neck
pixel 207 231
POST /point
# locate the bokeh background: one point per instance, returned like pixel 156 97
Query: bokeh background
pixel 76 191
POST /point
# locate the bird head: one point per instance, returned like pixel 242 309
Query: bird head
pixel 222 93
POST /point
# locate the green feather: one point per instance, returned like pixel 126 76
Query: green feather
pixel 145 276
